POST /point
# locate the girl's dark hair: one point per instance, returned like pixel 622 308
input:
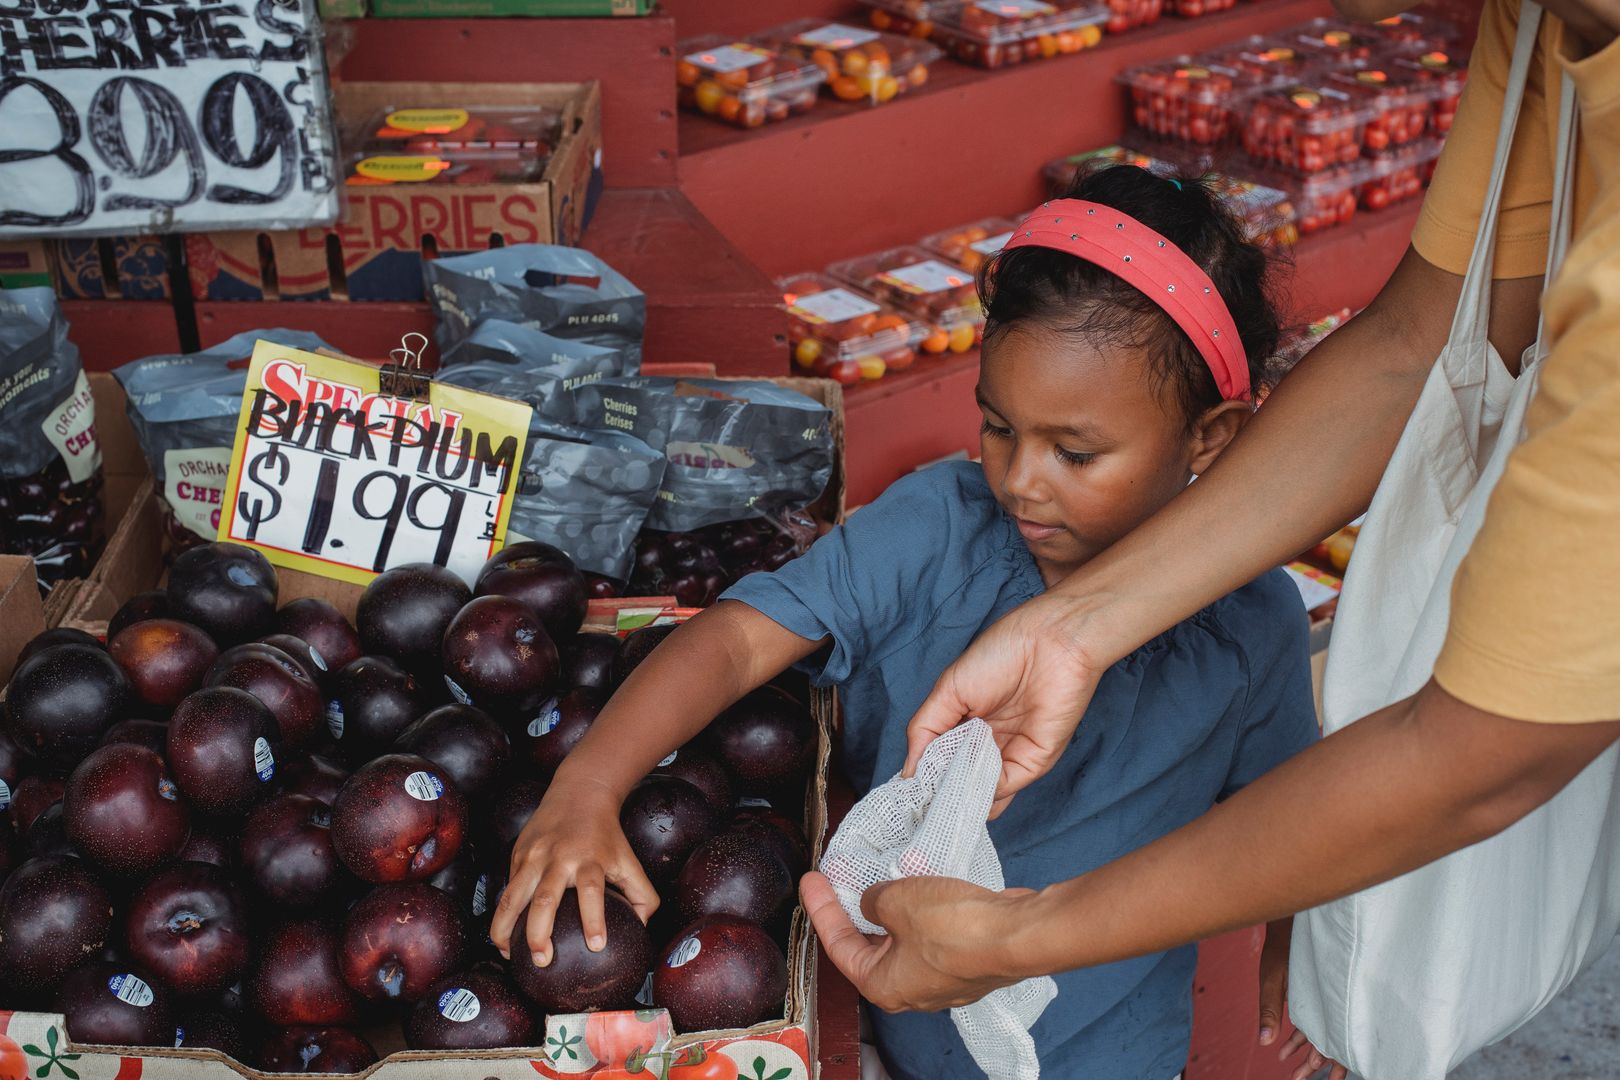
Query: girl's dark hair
pixel 1064 293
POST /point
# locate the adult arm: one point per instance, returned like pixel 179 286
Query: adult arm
pixel 1394 791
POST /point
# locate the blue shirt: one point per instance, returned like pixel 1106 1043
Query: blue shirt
pixel 900 591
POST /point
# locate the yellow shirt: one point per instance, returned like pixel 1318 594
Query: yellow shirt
pixel 1535 619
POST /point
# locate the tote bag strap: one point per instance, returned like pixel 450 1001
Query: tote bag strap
pixel 1472 318
pixel 1563 203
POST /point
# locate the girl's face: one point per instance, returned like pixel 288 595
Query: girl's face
pixel 1077 445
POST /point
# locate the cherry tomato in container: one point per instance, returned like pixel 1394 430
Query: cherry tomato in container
pixel 1439 77
pixel 998 33
pixel 933 292
pixel 842 333
pixel 1393 103
pixel 859 64
pixel 1185 99
pixel 747 83
pixel 970 246
pixel 1304 128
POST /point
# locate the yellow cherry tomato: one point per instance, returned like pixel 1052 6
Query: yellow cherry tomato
pixel 1048 45
pixel 709 95
pixel 918 75
pixel 872 367
pixel 855 62
pixel 887 87
pixel 961 338
pixel 1089 36
pixel 845 88
pixel 807 352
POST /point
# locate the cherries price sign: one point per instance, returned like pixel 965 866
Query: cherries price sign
pixel 333 476
pixel 138 116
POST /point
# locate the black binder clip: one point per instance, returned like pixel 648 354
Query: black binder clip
pixel 404 378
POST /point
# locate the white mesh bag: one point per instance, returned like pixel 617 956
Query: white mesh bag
pixel 934 824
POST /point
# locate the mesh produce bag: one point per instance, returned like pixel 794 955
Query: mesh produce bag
pixel 934 824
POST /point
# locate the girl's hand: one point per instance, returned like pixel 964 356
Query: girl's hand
pixel 573 840
pixel 1274 1005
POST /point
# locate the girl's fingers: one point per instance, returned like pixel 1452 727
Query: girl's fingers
pixel 632 881
pixel 588 888
pixel 1339 1072
pixel 510 906
pixel 1291 1047
pixel 543 912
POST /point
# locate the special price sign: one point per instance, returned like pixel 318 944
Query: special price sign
pixel 135 116
pixel 334 477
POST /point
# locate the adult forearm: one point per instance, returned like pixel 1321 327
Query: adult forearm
pixel 1392 792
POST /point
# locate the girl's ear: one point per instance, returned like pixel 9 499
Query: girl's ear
pixel 1215 430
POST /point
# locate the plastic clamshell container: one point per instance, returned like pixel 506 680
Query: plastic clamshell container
pixel 1399 175
pixel 446 167
pixel 997 33
pixel 1185 99
pixel 1411 30
pixel 1326 199
pixel 839 333
pixel 1304 128
pixel 742 82
pixel 970 246
pixel 1442 76
pixel 937 293
pixel 480 127
pixel 1192 9
pixel 859 64
pixel 1394 102
pixel 1262 62
pixel 1343 42
pixel 1126 15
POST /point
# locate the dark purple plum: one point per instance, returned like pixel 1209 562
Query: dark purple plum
pixel 164 659
pixel 767 740
pixel 152 734
pixel 404 612
pixel 374 701
pixel 57 635
pixel 470 1010
pixel 777 831
pixel 322 626
pixel 636 647
pixel 31 796
pixel 62 701
pixel 123 811
pixel 298 979
pixel 212 1029
pixel 399 940
pixel 48 834
pixel 153 604
pixel 210 844
pixel 504 814
pixel 577 979
pixel 465 742
pixel 304 656
pixel 188 926
pixel 54 912
pixel 665 819
pixel 281 683
pixel 11 768
pixel 398 819
pixel 223 749
pixel 721 972
pixel 498 656
pixel 111 1004
pixel 543 578
pixel 598 587
pixel 703 771
pixel 322 1050
pixel 588 661
pixel 554 733
pixel 315 776
pixel 287 852
pixel 733 874
pixel 227 589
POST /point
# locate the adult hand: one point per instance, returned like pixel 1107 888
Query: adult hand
pixel 944 944
pixel 1029 677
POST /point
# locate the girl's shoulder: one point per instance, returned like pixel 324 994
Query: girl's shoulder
pixel 949 502
pixel 1260 624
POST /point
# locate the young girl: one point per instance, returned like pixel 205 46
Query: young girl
pixel 1127 327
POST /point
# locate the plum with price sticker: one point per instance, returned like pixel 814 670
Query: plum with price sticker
pixel 404 613
pixel 400 939
pixel 470 1010
pixel 465 742
pixel 281 684
pixel 498 657
pixel 555 731
pixel 223 748
pixel 116 1004
pixel 542 577
pixel 227 589
pixel 704 771
pixel 397 819
pixel 63 700
pixel 287 853
pixel 305 656
pixel 123 810
pixel 164 659
pixel 577 979
pixel 665 819
pixel 188 925
pixel 720 972
pixel 54 912
pixel 324 628
pixel 373 702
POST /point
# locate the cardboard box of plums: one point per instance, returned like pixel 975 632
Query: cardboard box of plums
pixel 234 906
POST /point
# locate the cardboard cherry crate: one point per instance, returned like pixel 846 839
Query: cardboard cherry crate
pixel 376 249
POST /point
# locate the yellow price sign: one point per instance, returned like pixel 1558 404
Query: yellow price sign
pixel 332 476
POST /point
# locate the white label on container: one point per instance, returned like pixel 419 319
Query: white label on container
pixel 543 724
pixel 264 760
pixel 684 953
pixel 459 1005
pixel 673 754
pixel 5 794
pixel 1016 9
pixel 131 990
pixel 837 36
pixel 991 244
pixel 71 428
pixel 194 486
pixel 644 995
pixel 1313 592
pixel 931 276
pixel 423 786
pixel 832 306
pixel 729 57
pixel 480 900
pixel 334 718
pixel 457 692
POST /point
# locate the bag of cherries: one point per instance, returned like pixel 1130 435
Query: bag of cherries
pixel 50 462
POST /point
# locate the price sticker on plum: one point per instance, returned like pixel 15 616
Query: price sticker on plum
pixel 459 1005
pixel 831 306
pixel 131 990
pixel 163 116
pixel 424 786
pixel 684 953
pixel 264 760
pixel 331 476
pixel 932 276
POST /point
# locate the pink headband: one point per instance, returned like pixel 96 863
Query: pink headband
pixel 1163 272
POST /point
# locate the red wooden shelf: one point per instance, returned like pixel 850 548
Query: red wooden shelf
pixel 843 180
pixel 113 332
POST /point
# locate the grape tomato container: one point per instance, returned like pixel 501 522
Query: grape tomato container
pixel 1186 99
pixel 971 246
pixel 1304 128
pixel 1342 43
pixel 939 294
pixel 998 33
pixel 857 63
pixel 482 127
pixel 1326 199
pixel 1416 32
pixel 1400 175
pixel 743 82
pixel 1263 62
pixel 1394 102
pixel 1126 15
pixel 447 166
pixel 840 333
pixel 1192 9
pixel 1440 75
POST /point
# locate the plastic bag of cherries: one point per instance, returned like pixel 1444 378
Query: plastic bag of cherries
pixel 50 462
